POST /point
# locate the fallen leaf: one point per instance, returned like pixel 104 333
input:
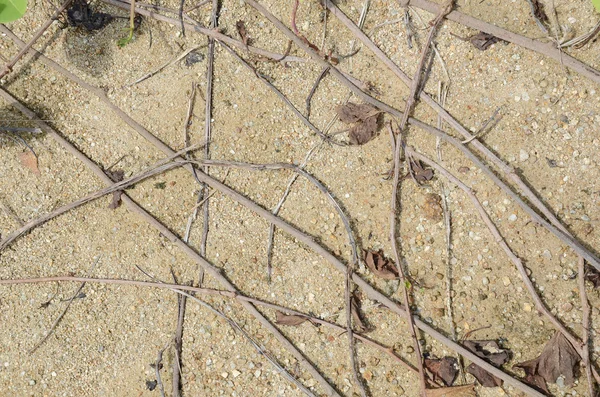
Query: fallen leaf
pixel 490 351
pixel 116 176
pixel 365 118
pixel 592 275
pixel 482 41
pixel 443 369
pixel 29 160
pixel 360 324
pixel 420 173
pixel 558 358
pixel 241 28
pixel 457 391
pixel 363 132
pixel 380 266
pixel 352 112
pixel 289 319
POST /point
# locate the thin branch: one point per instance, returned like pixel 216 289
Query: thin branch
pixel 281 96
pixel 547 49
pixel 480 147
pixel 208 32
pixel 25 48
pixel 585 325
pixel 157 367
pixel 62 314
pixel 178 342
pixel 540 306
pixel 161 167
pixel 215 292
pixel 394 214
pixel 314 89
pixel 208 267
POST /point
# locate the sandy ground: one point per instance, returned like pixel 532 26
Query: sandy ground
pixel 106 342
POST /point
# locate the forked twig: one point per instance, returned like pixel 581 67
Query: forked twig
pixel 25 48
pixel 62 314
pixel 208 267
pixel 548 49
pixel 540 306
pixel 206 31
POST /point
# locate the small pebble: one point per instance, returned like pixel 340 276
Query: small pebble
pixel 567 307
pixel 512 218
pixel 527 307
pixel 31 382
pixel 506 281
pixel 523 155
pixel 224 375
pixel 485 281
pixel 236 373
pixel 257 373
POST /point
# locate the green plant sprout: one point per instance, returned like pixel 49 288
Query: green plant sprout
pixel 126 40
pixel 11 10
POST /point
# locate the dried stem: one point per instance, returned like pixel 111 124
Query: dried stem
pixel 157 169
pixel 157 367
pixel 62 314
pixel 214 292
pixel 208 32
pixel 585 325
pixel 208 267
pixel 548 49
pixel 394 214
pixel 480 147
pixel 540 306
pixel 26 47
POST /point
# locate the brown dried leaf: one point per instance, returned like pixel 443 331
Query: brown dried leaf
pixel 360 324
pixel 482 41
pixel 458 391
pixel 241 28
pixel 490 351
pixel 592 275
pixel 29 160
pixel 352 112
pixel 420 173
pixel 380 266
pixel 363 131
pixel 444 369
pixel 116 176
pixel 289 319
pixel 558 358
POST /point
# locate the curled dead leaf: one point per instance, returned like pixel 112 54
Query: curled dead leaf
pixel 592 275
pixel 490 351
pixel 365 119
pixel 241 28
pixel 289 319
pixel 443 369
pixel 420 173
pixel 380 266
pixel 116 176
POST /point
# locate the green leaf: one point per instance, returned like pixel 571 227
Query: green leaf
pixel 11 10
pixel 596 4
